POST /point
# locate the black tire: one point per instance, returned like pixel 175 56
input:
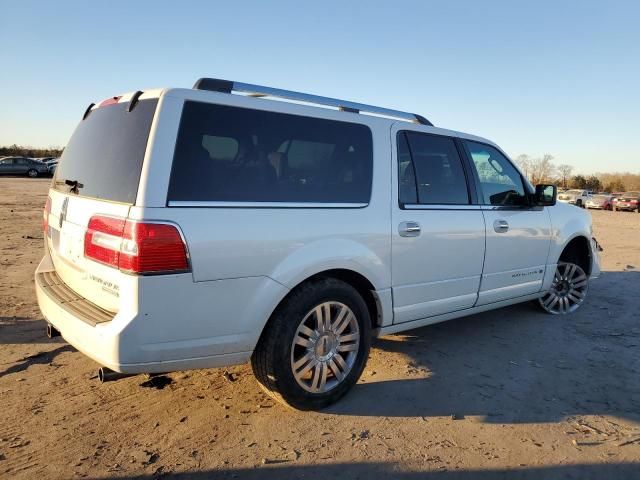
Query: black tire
pixel 32 173
pixel 272 359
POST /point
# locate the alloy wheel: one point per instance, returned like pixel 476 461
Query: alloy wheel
pixel 325 347
pixel 568 290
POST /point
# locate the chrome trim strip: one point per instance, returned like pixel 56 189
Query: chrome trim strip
pixel 441 207
pixel 213 204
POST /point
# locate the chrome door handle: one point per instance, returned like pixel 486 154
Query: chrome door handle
pixel 409 229
pixel 501 226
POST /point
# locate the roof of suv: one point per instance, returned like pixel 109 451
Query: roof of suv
pixel 211 87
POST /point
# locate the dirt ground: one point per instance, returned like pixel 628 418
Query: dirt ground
pixel 510 393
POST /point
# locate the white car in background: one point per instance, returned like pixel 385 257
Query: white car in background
pixel 218 229
pixel 579 198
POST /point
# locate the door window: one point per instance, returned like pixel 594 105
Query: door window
pixel 430 170
pixel 500 182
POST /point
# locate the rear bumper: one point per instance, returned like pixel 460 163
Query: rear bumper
pixel 186 325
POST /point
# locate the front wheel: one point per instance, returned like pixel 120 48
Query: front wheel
pixel 568 290
pixel 315 346
pixel 33 173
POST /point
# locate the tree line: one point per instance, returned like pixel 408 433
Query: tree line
pixel 544 170
pixel 21 151
pixel 538 170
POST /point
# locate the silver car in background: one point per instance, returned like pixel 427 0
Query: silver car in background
pixel 22 166
pixel 601 202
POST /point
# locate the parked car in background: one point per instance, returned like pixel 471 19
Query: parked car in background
pixel 219 228
pixel 51 164
pixel 22 166
pixel 579 198
pixel 601 201
pixel 629 201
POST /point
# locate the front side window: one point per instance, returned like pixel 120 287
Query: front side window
pixel 230 154
pixel 500 182
pixel 430 170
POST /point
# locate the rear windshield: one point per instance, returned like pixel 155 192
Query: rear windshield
pixel 230 154
pixel 103 158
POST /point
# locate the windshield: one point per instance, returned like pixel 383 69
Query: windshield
pixel 103 158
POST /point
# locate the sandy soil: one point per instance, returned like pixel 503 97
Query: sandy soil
pixel 510 393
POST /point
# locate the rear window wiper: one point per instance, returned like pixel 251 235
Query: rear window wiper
pixel 74 184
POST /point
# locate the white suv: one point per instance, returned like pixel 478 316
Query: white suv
pixel 196 228
pixel 579 198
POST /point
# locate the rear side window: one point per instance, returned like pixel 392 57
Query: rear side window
pixel 430 170
pixel 230 154
pixel 106 151
pixel 500 182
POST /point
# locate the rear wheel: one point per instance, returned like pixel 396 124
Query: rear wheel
pixel 568 290
pixel 33 173
pixel 315 345
pixel 579 203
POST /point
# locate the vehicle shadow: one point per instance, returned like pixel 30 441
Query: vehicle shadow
pixel 18 330
pixel 369 471
pixel 40 358
pixel 516 364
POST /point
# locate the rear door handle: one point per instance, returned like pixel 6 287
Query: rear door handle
pixel 501 226
pixel 409 229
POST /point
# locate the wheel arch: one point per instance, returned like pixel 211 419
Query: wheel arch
pixel 357 280
pixel 578 250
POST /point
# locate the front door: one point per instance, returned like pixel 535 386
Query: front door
pixel 518 235
pixel 438 236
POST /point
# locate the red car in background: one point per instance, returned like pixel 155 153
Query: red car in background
pixel 628 201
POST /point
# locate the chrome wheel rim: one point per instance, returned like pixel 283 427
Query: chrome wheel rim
pixel 568 290
pixel 32 173
pixel 325 347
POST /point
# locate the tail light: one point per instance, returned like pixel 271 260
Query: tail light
pixel 136 247
pixel 45 216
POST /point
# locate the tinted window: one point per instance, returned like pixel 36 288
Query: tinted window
pixel 407 189
pixel 500 182
pixel 436 167
pixel 105 153
pixel 234 154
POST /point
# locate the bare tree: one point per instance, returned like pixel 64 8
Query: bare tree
pixel 565 172
pixel 542 169
pixel 524 162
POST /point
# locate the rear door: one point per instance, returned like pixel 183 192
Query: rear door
pixel 438 235
pixel 518 235
pixel 99 173
pixel 22 165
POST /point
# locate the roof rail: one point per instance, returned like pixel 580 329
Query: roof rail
pixel 227 86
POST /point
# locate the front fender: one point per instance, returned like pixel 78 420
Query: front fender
pixel 569 222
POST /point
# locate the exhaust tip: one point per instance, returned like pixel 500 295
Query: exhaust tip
pixel 107 375
pixel 52 331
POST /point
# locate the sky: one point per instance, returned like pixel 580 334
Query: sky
pixel 538 77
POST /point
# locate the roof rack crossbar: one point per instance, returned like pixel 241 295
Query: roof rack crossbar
pixel 226 86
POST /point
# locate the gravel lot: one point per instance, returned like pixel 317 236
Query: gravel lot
pixel 510 393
